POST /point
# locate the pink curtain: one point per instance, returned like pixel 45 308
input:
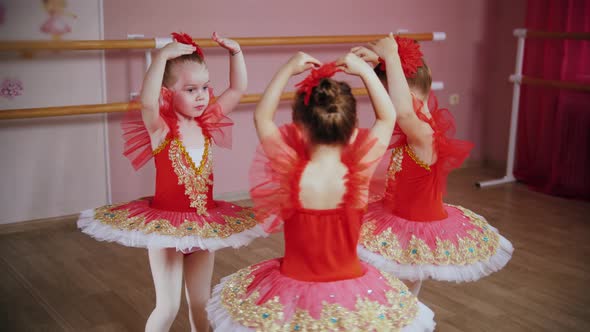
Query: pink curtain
pixel 553 144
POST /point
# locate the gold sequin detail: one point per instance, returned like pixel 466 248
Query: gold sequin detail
pixel 119 219
pixel 400 310
pixel 204 158
pixel 395 164
pixel 416 159
pixel 480 244
pixel 161 146
pixel 195 180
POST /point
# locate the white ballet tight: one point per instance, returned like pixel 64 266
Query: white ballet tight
pixel 168 269
pixel 414 286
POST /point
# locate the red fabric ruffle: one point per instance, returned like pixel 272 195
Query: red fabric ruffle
pixel 214 123
pixel 279 162
pixel 450 152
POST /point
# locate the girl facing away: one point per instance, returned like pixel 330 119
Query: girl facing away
pixel 311 177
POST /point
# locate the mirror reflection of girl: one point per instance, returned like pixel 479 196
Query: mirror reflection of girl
pixel 410 232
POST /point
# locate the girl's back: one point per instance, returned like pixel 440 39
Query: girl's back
pixel 322 183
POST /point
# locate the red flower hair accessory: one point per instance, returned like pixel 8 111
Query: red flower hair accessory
pixel 188 40
pixel 314 78
pixel 409 54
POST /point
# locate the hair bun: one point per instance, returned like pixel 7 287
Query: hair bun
pixel 332 109
pixel 325 93
pixel 330 115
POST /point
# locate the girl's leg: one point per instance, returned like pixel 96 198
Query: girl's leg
pixel 414 286
pixel 198 269
pixel 166 266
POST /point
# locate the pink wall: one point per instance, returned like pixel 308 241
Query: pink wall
pixel 473 62
pixel 51 167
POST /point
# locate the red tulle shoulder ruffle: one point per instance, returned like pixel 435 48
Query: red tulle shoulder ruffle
pixel 138 149
pixel 450 152
pixel 279 163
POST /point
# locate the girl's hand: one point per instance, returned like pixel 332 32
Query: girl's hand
pixel 174 50
pixel 385 46
pixel 231 45
pixel 301 62
pixel 352 64
pixel 366 54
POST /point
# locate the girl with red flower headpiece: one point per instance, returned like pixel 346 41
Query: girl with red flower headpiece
pixel 311 178
pixel 408 231
pixel 181 225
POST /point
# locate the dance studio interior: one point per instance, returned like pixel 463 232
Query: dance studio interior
pixel 384 165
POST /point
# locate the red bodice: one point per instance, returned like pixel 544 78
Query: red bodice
pixel 413 189
pixel 320 245
pixel 182 184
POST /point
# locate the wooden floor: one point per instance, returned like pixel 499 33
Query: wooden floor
pixel 54 278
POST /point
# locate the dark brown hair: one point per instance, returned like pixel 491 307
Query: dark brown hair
pixel 330 116
pixel 169 78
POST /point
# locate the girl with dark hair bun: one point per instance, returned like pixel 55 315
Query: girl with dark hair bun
pixel 311 178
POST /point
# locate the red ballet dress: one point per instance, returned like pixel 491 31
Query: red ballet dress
pixel 319 284
pixel 182 214
pixel 410 232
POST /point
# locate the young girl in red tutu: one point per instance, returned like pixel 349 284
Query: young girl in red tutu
pixel 410 232
pixel 311 177
pixel 181 225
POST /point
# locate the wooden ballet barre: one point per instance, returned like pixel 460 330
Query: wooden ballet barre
pixel 550 83
pixel 43 112
pixel 30 113
pixel 519 79
pixel 558 35
pixel 37 45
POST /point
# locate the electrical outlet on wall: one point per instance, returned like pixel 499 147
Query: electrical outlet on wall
pixel 454 99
